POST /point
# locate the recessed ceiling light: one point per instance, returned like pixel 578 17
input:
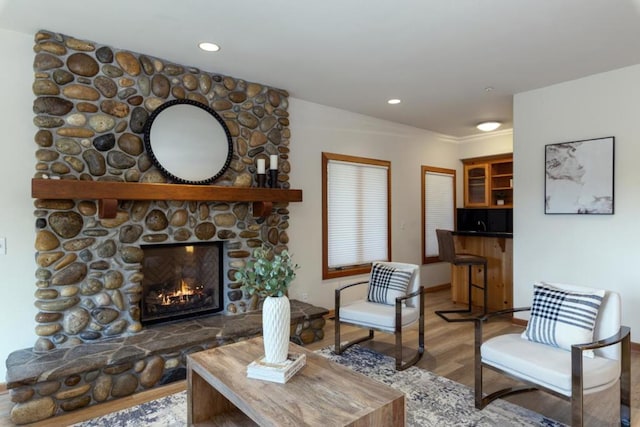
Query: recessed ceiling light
pixel 394 101
pixel 488 126
pixel 209 47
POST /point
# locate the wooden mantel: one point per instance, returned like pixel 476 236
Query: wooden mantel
pixel 108 193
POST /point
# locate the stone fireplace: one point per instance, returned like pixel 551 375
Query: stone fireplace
pixel 95 341
pixel 181 281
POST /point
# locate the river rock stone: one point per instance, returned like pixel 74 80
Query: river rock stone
pixel 102 123
pixel 43 317
pixel 45 61
pixel 116 328
pixel 60 304
pixel 131 254
pixel 106 249
pixel 76 91
pixel 115 108
pixel 44 138
pixel 155 238
pixel 77 119
pixel 113 279
pixel 105 142
pixel 194 96
pixel 152 372
pixel 128 63
pixel 221 105
pixel 204 81
pixel 112 71
pixel 62 77
pixel 106 86
pixel 75 44
pixel 99 265
pixel 66 224
pixel 130 233
pixel 257 139
pixel 22 394
pixel 135 100
pixel 51 47
pixel 52 105
pixel 78 244
pixel 86 107
pixel 248 120
pixel 48 122
pixel 95 161
pixel 238 97
pixel 102 388
pixel 224 220
pixel 173 69
pixel 82 64
pixel 48 258
pixel 130 144
pixel 205 231
pixel 124 385
pixel 190 81
pixel 65 261
pixel 179 218
pixel 33 410
pixel 104 315
pixel 102 299
pixel 45 87
pixel 76 320
pixel 92 287
pixel 70 275
pixel 46 241
pixel 160 86
pixel 120 160
pixel 182 235
pixel 104 55
pixel 156 220
pixel 46 155
pixel 46 293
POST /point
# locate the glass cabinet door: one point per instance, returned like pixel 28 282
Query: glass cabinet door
pixel 476 185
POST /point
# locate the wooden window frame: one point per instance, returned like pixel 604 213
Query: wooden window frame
pixel 424 169
pixel 332 273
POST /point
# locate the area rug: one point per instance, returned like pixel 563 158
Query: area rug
pixel 432 400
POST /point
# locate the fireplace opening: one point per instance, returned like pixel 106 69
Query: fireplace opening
pixel 180 281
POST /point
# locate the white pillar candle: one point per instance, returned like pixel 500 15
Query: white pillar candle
pixel 261 166
pixel 273 164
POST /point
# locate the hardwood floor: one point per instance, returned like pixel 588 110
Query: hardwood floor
pixel 449 352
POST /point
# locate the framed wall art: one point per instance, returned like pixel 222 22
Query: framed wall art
pixel 579 177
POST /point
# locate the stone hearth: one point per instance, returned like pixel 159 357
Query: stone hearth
pixel 62 380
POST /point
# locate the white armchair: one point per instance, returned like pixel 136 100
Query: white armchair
pixel 394 301
pixel 553 354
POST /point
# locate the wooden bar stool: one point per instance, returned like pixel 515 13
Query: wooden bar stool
pixel 447 253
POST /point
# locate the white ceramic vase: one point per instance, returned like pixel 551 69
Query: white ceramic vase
pixel 276 328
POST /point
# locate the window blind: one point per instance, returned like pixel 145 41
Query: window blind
pixel 356 213
pixel 439 190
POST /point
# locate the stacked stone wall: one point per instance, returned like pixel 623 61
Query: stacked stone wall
pixel 92 103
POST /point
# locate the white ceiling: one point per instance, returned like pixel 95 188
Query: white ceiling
pixel 438 56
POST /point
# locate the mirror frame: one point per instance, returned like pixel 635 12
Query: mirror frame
pixel 148 143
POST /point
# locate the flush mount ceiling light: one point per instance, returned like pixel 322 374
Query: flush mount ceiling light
pixel 488 126
pixel 394 101
pixel 209 47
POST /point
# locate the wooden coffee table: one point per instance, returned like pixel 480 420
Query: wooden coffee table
pixel 323 393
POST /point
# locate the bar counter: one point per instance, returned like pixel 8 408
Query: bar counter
pixel 497 247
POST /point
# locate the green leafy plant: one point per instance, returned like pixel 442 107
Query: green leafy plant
pixel 268 274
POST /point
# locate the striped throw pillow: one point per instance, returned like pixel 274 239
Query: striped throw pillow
pixel 561 318
pixel 387 283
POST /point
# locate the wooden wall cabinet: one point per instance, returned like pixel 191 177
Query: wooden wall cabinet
pixel 488 182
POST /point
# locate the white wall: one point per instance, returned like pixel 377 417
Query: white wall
pixel 591 250
pixel 17 267
pixel 316 128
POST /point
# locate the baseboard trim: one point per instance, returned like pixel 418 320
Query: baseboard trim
pixel 437 288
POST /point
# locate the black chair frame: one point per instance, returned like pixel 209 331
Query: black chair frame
pixel 400 364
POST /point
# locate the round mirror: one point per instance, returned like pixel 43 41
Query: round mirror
pixel 188 142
